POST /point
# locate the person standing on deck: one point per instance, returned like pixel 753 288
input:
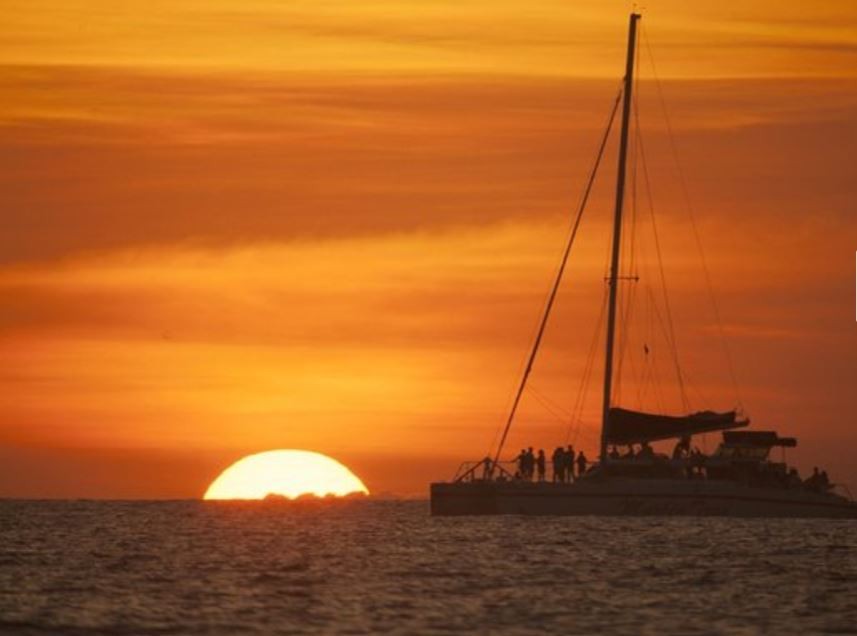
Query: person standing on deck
pixel 569 463
pixel 530 464
pixel 682 449
pixel 581 464
pixel 486 468
pixel 540 464
pixel 521 460
pixel 558 461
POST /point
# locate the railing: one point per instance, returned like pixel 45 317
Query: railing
pixel 484 469
pixel 487 470
pixel 844 488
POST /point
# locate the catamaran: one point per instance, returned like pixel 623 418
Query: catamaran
pixel 740 478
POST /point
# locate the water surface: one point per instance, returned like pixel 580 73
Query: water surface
pixel 388 567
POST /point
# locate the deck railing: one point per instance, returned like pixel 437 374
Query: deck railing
pixel 484 469
pixel 845 490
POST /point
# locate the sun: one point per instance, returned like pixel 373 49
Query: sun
pixel 288 473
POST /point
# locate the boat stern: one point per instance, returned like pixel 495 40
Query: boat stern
pixel 463 498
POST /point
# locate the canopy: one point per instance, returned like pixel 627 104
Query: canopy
pixel 633 427
pixel 757 439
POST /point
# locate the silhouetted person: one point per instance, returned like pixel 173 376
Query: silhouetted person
pixel 486 468
pixel 581 464
pixel 646 451
pixel 569 462
pixel 824 480
pixel 682 448
pixel 630 454
pixel 540 464
pixel 695 462
pixel 814 481
pixel 531 464
pixel 614 452
pixel 558 461
pixel 522 463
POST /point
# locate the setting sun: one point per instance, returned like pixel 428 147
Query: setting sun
pixel 289 473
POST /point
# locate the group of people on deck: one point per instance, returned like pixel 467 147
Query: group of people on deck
pixel 818 481
pixel 564 461
pixel 645 451
pixel 568 466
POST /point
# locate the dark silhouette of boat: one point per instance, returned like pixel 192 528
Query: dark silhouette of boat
pixel 739 479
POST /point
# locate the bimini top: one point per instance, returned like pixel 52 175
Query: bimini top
pixel 634 427
pixel 757 439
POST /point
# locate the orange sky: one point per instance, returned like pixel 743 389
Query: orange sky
pixel 235 226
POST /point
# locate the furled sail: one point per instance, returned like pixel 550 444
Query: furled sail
pixel 633 427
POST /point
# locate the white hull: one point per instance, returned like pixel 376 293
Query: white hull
pixel 617 496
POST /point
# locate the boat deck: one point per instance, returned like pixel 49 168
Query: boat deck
pixel 627 496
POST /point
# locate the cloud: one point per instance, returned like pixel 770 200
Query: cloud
pixel 417 335
pixel 334 224
pixel 584 38
pixel 110 159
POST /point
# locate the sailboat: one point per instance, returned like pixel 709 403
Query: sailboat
pixel 739 479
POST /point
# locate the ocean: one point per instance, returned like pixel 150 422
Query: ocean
pixel 358 567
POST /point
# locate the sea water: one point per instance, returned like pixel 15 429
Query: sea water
pixel 353 567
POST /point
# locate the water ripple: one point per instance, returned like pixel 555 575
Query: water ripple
pixel 355 567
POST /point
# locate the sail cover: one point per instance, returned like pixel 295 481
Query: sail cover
pixel 634 427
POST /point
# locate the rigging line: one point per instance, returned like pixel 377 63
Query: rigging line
pixel 671 336
pixel 656 380
pixel 580 400
pixel 629 327
pixel 653 358
pixel 548 402
pixel 572 436
pixel 642 388
pixel 625 336
pixel 508 402
pixel 665 332
pixel 586 380
pixel 647 328
pixel 628 291
pixel 593 437
pixel 690 212
pixel 558 279
pixel 587 434
pixel 512 385
pixel 631 357
pixel 647 381
pixel 551 409
pixel 577 410
pixel 500 424
pixel 633 273
pixel 695 389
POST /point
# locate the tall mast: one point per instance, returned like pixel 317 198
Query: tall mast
pixel 617 231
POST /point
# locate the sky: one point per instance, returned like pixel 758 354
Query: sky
pixel 230 227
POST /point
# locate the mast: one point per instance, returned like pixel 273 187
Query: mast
pixel 617 231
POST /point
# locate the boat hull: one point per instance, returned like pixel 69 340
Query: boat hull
pixel 634 497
